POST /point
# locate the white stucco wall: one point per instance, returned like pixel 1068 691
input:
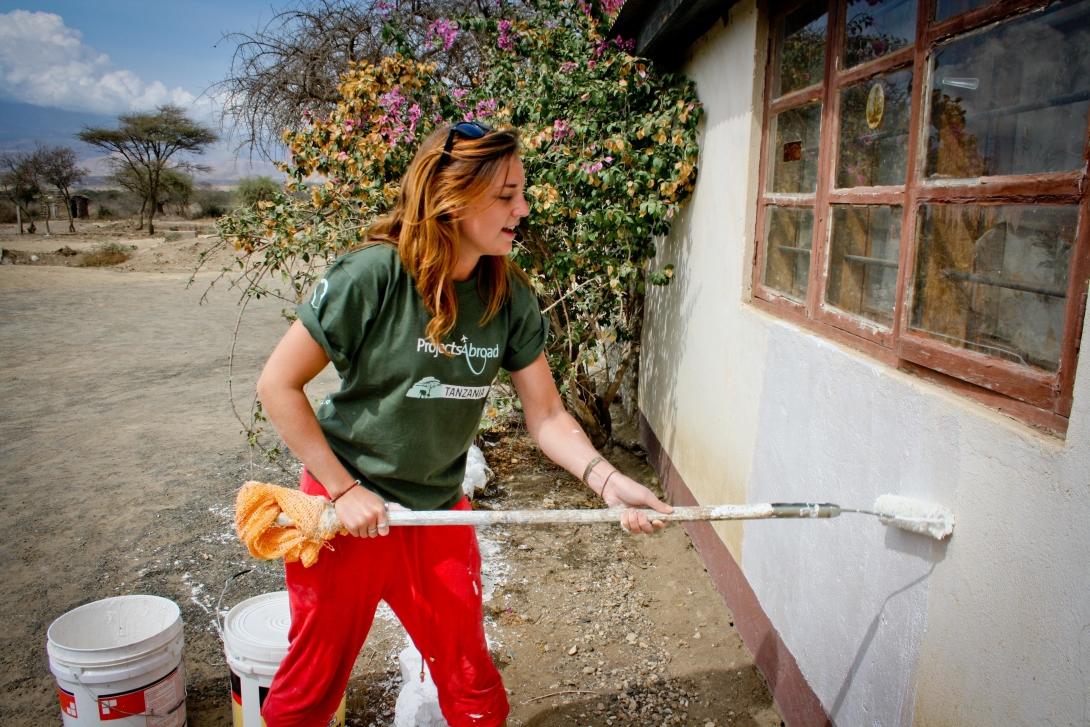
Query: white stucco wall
pixel 889 628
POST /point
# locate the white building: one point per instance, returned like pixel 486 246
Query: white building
pixel 881 285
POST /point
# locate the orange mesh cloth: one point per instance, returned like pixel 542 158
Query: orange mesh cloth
pixel 257 507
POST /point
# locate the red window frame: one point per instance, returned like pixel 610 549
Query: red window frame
pixel 1035 396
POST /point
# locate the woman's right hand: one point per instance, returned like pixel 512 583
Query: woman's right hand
pixel 362 513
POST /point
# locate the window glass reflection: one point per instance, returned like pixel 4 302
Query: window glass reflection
pixel 874 131
pixel 795 135
pixel 788 236
pixel 800 36
pixel 993 279
pixel 877 27
pixel 863 259
pixel 1012 99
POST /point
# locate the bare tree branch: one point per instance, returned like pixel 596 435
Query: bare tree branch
pixel 293 63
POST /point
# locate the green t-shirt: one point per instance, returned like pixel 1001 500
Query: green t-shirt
pixel 406 413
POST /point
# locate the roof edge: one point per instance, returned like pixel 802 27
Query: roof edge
pixel 664 29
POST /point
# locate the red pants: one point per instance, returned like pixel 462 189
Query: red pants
pixel 431 578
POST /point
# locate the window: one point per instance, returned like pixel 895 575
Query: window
pixel 924 188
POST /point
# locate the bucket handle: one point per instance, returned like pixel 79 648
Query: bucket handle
pixel 217 617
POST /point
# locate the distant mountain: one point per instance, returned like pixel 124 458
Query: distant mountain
pixel 22 125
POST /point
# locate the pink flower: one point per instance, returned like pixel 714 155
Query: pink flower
pixel 611 6
pixel 506 40
pixel 392 100
pixel 400 120
pixel 342 156
pixel 597 166
pixel 444 31
pixel 485 108
pixel 459 93
pixel 561 130
pixel 415 112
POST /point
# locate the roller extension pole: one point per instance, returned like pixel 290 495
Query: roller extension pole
pixel 905 513
pixel 611 515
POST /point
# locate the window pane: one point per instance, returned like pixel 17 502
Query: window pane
pixel 949 8
pixel 877 27
pixel 800 36
pixel 787 250
pixel 874 131
pixel 863 253
pixel 795 135
pixel 993 279
pixel 1013 99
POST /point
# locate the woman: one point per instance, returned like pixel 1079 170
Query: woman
pixel 418 323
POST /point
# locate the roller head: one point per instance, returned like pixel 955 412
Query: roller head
pixel 916 516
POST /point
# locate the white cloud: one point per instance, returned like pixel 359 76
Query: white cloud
pixel 46 63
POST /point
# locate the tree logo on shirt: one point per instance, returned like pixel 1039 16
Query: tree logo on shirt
pixel 429 388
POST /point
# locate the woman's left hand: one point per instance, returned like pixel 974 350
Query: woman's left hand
pixel 623 491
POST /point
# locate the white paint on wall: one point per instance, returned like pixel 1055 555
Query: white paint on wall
pixel 691 361
pixel 889 627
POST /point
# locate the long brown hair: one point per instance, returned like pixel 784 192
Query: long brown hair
pixel 435 190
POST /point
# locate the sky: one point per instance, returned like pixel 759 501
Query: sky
pixel 92 60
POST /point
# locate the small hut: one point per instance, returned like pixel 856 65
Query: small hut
pixel 78 205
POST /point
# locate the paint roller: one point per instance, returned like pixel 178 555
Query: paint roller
pixel 906 513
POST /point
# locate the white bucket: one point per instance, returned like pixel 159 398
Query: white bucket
pixel 418 702
pixel 255 638
pixel 119 661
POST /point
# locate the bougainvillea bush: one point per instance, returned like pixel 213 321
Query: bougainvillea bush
pixel 610 151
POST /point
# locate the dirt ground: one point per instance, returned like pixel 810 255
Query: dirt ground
pixel 122 457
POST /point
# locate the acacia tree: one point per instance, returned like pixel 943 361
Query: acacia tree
pixel 252 190
pixel 177 189
pixel 57 167
pixel 19 184
pixel 143 145
pixel 610 151
pixel 128 178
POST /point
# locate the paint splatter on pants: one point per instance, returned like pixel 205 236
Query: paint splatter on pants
pixel 431 578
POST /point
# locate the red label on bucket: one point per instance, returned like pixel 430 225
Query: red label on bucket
pixel 68 702
pixel 156 699
pixel 120 706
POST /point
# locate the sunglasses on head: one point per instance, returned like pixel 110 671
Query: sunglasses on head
pixel 468 129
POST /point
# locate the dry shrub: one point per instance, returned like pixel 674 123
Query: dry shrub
pixel 110 253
